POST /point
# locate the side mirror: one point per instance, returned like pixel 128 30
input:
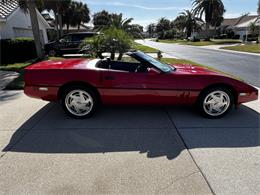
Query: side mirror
pixel 153 71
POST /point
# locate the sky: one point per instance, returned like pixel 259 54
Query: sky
pixel 145 12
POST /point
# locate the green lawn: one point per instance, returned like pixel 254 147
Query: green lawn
pixel 253 48
pixel 202 43
pixel 144 48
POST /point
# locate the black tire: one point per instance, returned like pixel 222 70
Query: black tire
pixel 87 91
pixel 203 110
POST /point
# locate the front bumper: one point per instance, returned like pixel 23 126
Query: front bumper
pixel 247 97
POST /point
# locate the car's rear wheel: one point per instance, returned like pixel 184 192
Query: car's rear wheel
pixel 216 102
pixel 79 102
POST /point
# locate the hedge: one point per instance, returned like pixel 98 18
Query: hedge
pixel 17 50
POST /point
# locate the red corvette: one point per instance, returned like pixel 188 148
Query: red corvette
pixel 81 84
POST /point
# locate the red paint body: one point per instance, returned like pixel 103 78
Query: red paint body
pixel 181 86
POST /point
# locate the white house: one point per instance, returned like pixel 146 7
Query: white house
pixel 14 22
pixel 240 26
pixel 243 28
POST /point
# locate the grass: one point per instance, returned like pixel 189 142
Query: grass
pixel 252 48
pixel 144 48
pixel 203 43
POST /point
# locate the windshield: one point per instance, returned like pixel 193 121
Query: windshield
pixel 159 65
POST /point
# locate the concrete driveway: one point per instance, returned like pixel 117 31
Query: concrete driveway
pixel 243 65
pixel 127 150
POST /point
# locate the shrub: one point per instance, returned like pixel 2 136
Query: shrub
pixel 110 40
pixel 17 50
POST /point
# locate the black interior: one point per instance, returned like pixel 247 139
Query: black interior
pixel 122 66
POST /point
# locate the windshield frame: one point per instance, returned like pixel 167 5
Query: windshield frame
pixel 163 67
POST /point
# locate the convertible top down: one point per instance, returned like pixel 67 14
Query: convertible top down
pixel 81 84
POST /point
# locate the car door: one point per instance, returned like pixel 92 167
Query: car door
pixel 123 87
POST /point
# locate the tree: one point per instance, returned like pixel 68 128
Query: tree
pixel 136 31
pixel 80 14
pixel 31 6
pixel 76 14
pixel 162 26
pixel 101 20
pixel 218 18
pixel 59 8
pixel 188 22
pixel 209 8
pixel 151 29
pixel 110 40
pixel 254 29
pixel 117 21
pixel 179 23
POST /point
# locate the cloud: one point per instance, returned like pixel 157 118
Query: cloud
pixel 136 6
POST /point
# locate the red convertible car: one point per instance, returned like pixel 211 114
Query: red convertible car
pixel 81 84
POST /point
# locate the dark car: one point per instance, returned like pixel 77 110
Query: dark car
pixel 67 44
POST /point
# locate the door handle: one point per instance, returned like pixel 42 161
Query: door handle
pixel 109 78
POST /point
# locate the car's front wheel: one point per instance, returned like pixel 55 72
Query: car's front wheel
pixel 79 102
pixel 216 102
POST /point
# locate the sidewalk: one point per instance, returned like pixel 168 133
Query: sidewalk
pixel 218 48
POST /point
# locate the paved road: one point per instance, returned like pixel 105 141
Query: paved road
pixel 126 150
pixel 244 66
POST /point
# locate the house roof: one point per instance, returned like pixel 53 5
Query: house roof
pixel 247 23
pixel 236 22
pixel 230 21
pixel 7 8
pixel 246 19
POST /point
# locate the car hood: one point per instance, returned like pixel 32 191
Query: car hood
pixel 193 69
pixel 79 63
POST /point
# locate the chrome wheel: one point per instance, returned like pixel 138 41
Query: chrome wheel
pixel 216 103
pixel 79 102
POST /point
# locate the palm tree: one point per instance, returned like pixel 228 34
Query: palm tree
pixel 188 22
pixel 117 21
pixel 151 29
pixel 209 8
pixel 31 6
pixel 59 8
pixel 81 14
pixel 162 26
pixel 101 19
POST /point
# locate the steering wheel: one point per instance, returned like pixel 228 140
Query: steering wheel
pixel 141 68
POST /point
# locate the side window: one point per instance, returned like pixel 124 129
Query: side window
pixel 66 38
pixel 79 37
pixel 129 59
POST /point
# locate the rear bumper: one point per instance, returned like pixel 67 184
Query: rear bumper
pixel 42 92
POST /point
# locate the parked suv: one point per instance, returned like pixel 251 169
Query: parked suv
pixel 67 44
